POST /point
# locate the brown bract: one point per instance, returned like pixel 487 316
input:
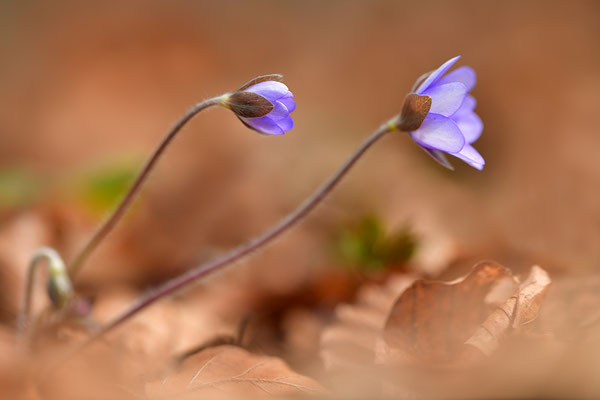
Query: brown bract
pixel 414 111
pixel 249 104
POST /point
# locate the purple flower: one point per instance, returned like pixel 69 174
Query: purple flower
pixel 451 125
pixel 264 104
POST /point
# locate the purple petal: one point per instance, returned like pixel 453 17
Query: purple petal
pixel 289 103
pixel 264 125
pixel 439 133
pixel 435 75
pixel 470 125
pixel 272 90
pixel 286 124
pixel 469 155
pixel 465 75
pixel 279 111
pixel 439 157
pixel 446 99
pixel 466 107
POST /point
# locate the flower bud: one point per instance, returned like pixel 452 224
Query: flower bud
pixel 59 291
pixel 263 104
pixel 59 286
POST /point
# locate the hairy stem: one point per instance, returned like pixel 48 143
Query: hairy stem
pixel 254 244
pixel 111 222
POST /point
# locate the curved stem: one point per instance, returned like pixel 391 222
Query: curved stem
pixel 56 268
pixel 110 223
pixel 235 254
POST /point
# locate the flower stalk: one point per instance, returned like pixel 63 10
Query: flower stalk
pixel 263 104
pixel 75 267
pixel 254 244
pixel 438 115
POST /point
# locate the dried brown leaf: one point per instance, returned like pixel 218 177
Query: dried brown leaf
pixel 350 340
pixel 150 339
pixel 231 371
pixel 531 297
pixel 348 344
pixel 431 320
pixel 517 312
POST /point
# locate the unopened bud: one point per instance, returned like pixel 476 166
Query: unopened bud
pixel 59 286
pixel 263 104
pixel 59 291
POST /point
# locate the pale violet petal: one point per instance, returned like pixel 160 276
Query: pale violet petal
pixel 272 90
pixel 471 156
pixel 264 125
pixel 439 157
pixel 465 75
pixel 470 125
pixel 435 75
pixel 439 133
pixel 286 124
pixel 279 111
pixel 289 103
pixel 446 99
pixel 467 106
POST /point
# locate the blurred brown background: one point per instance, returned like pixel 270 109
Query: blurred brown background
pixel 86 85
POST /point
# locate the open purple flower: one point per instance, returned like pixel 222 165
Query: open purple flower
pixel 264 104
pixel 451 125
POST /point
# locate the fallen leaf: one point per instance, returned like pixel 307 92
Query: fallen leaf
pixel 231 371
pixel 431 320
pixel 348 344
pixel 350 340
pixel 151 337
pixel 531 297
pixel 517 313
